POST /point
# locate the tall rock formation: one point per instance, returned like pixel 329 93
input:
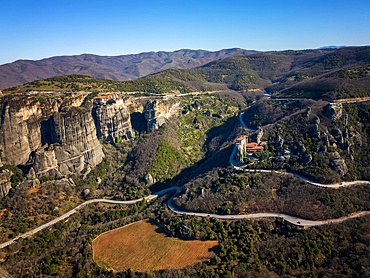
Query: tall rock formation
pixel 241 148
pixel 48 133
pixel 73 144
pixel 5 183
pixel 259 135
pixel 334 111
pixel 316 130
pixel 20 126
pixel 112 120
pixel 338 164
pixel 157 112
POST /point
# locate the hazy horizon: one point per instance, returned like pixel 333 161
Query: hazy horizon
pixel 156 51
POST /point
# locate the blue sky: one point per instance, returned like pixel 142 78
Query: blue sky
pixel 36 29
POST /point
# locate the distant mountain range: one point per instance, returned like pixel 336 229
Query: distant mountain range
pixel 124 67
pixel 316 73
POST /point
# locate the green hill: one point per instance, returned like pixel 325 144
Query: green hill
pixel 318 74
pixel 328 75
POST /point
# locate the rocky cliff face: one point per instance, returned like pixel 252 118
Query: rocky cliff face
pixel 338 164
pixel 53 135
pixel 113 121
pixel 73 145
pixel 334 111
pixel 20 126
pixel 157 112
pixel 49 134
pixel 5 183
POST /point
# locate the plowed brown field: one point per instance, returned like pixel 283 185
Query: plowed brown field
pixel 143 247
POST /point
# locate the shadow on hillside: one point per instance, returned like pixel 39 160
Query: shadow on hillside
pixel 138 122
pixel 160 229
pixel 218 147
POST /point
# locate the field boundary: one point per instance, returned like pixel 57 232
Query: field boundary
pixel 145 248
pixel 103 233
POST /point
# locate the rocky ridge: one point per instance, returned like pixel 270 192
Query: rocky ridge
pixel 156 113
pixel 48 134
pixel 73 147
pixel 21 126
pixel 113 121
pixel 333 139
pixel 55 135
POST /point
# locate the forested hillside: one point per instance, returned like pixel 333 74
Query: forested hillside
pixel 318 74
pixel 123 67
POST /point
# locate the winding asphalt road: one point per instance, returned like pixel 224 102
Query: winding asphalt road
pixel 243 168
pixel 74 210
pixel 291 219
pixel 332 185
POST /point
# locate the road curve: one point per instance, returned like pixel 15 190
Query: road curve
pixel 289 218
pixel 74 210
pixel 244 124
pixel 332 185
pixel 243 168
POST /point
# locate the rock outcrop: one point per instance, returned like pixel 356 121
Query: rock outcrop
pixel 149 180
pixel 113 121
pixel 279 142
pixel 241 148
pixel 307 159
pixel 338 164
pixel 259 135
pixel 5 183
pixel 73 145
pixel 21 120
pixel 157 112
pixel 338 135
pixel 48 133
pixel 334 111
pixel 316 130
